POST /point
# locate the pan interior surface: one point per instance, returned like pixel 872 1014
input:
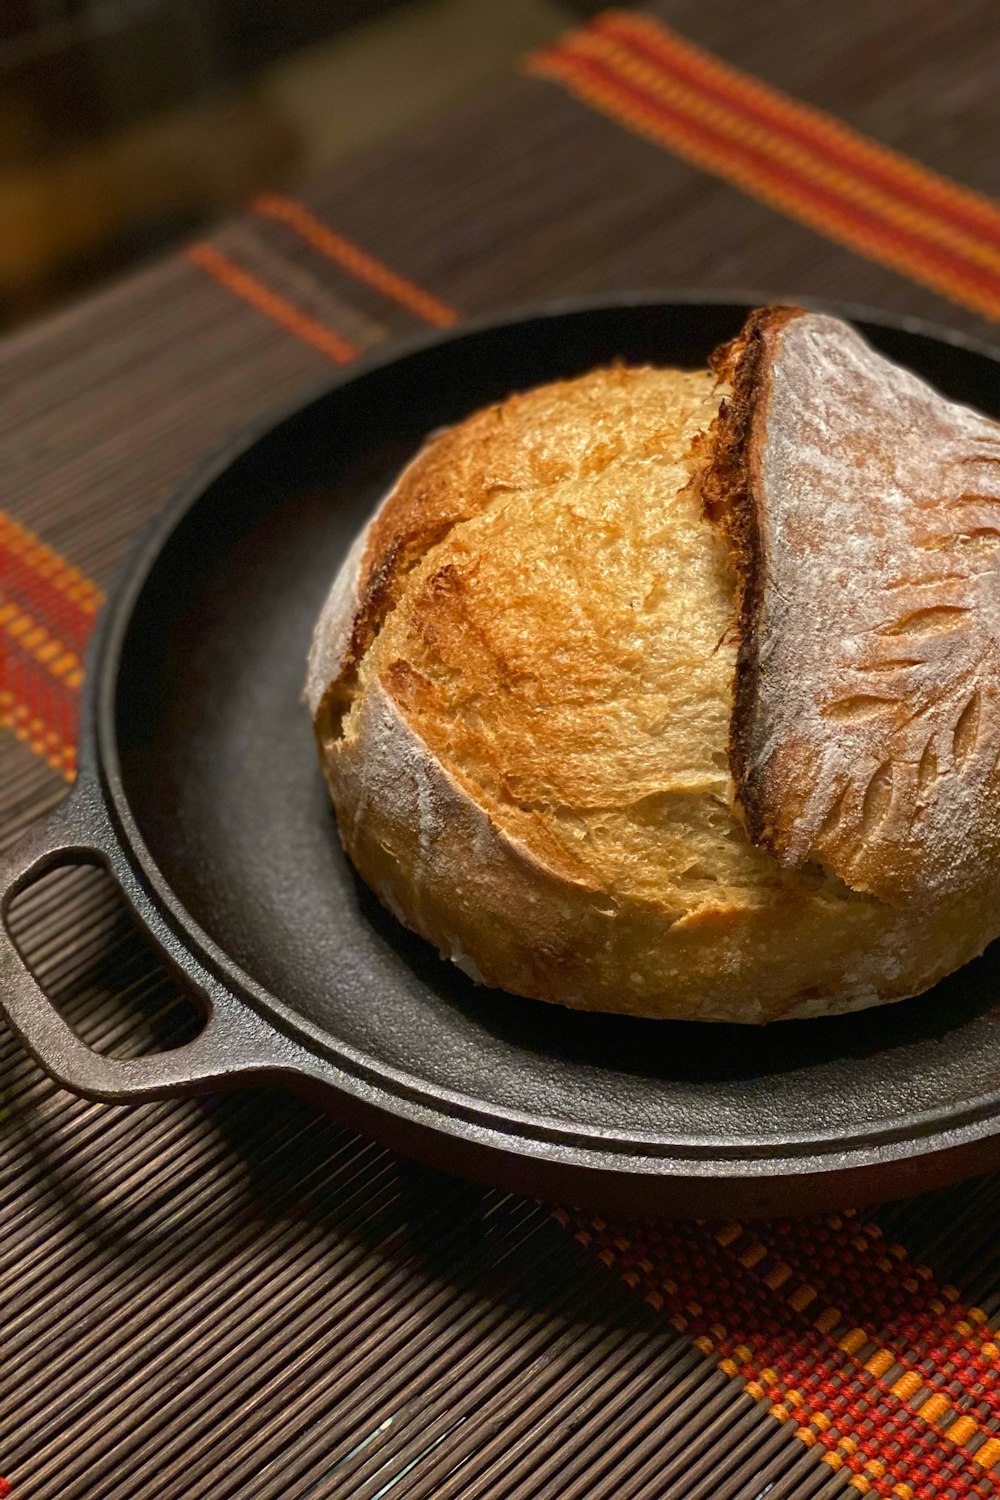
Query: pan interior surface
pixel 219 772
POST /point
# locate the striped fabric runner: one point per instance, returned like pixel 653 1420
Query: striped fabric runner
pixel 796 159
pixel 47 609
pixel 906 1402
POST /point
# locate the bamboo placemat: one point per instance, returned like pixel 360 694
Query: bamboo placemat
pixel 237 1298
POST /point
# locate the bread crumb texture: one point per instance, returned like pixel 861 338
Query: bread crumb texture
pixel 523 698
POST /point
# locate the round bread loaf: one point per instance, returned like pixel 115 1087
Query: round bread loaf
pixel 537 689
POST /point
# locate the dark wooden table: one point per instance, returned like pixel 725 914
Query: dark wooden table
pixel 234 1299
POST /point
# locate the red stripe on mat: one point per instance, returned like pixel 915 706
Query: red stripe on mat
pixel 360 264
pixel 798 1352
pixel 69 618
pixel 645 79
pixel 826 137
pixel 257 294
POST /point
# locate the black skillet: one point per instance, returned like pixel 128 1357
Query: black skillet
pixel 199 791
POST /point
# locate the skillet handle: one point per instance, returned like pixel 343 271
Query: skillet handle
pixel 232 1048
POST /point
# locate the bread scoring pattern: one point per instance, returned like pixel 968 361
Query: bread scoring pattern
pixel 864 514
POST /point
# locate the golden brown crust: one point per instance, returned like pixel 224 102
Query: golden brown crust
pixel 424 508
pixel 551 434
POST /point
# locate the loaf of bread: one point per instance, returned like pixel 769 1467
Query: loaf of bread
pixel 676 692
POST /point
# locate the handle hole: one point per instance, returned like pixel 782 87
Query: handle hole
pixel 84 949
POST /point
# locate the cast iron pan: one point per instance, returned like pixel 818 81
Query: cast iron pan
pixel 200 792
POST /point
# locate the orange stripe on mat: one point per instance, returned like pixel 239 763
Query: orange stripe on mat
pixel 801 1364
pixel 253 291
pixel 952 1394
pixel 17 541
pixel 357 262
pixel 43 583
pixel 908 181
pixel 40 658
pixel 909 1321
pixel 641 93
pixel 37 732
pixel 637 60
pixel 41 645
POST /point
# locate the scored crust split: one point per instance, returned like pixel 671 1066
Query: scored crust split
pixel 674 693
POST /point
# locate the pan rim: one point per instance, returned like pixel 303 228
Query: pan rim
pixel 404 1094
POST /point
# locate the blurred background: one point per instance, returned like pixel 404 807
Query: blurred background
pixel 126 125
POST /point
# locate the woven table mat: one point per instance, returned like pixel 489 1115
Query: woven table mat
pixel 236 1299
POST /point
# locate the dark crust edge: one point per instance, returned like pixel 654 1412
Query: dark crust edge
pixel 732 498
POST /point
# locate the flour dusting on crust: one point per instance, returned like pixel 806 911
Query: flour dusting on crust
pixel 866 733
pixel 332 635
